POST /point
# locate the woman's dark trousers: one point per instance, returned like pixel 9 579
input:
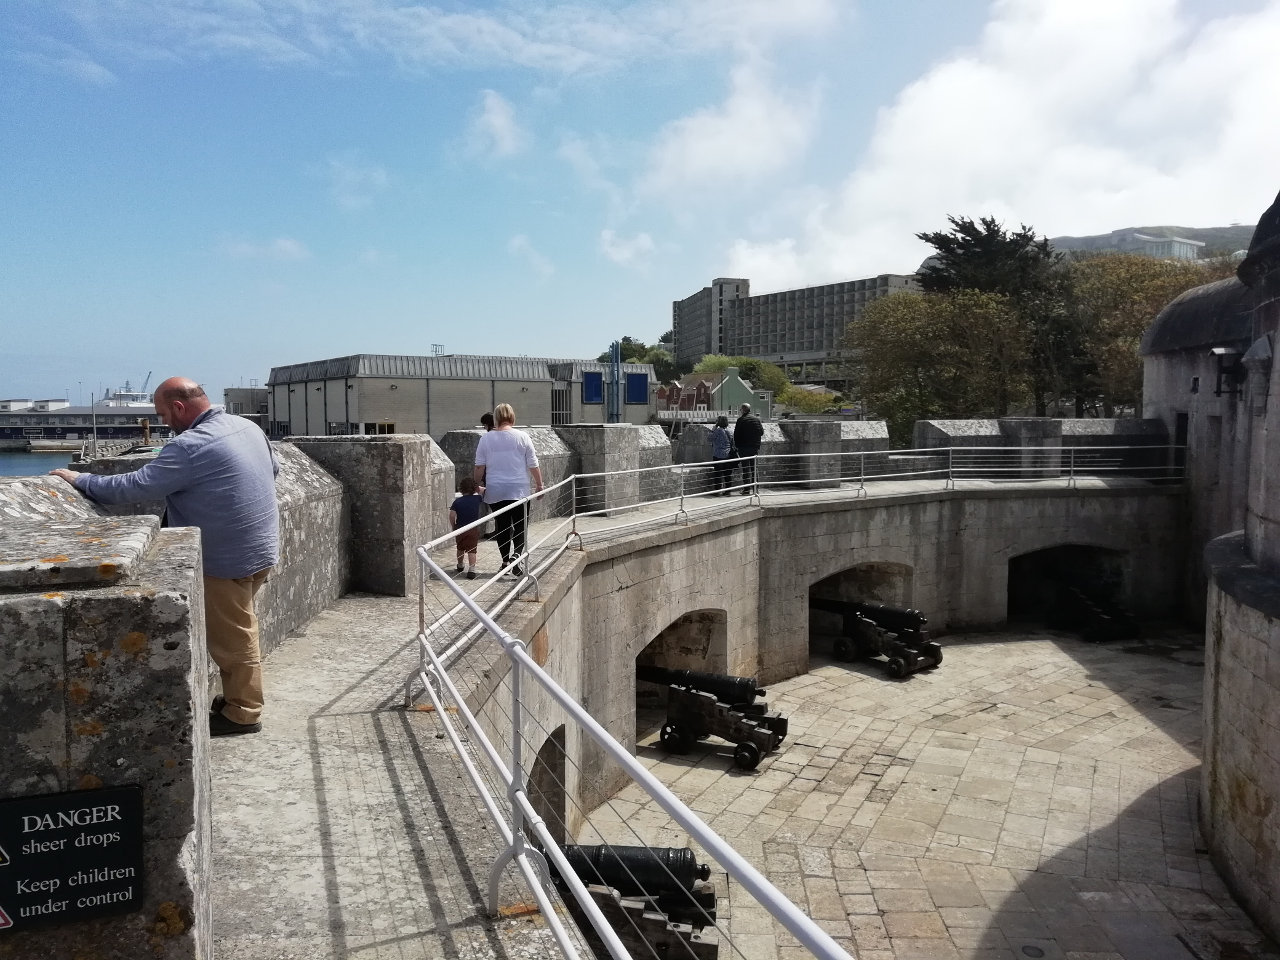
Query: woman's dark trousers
pixel 508 529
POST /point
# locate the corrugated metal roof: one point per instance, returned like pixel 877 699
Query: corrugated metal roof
pixel 448 367
pixel 1215 314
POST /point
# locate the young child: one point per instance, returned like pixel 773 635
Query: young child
pixel 466 509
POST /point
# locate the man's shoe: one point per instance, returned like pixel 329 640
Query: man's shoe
pixel 220 726
pixel 471 574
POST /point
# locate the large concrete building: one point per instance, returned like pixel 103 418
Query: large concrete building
pixel 799 330
pixel 373 393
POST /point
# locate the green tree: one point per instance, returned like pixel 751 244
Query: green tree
pixel 982 255
pixel 1114 298
pixel 923 356
pixel 806 401
pixel 762 374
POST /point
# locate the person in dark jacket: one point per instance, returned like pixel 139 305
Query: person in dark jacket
pixel 747 434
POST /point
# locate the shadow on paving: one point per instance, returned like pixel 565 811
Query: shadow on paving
pixel 1138 884
pixel 346 829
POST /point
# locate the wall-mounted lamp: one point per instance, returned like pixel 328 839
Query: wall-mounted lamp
pixel 317 389
pixel 351 386
pixel 292 390
pixel 524 389
pixel 394 387
pixel 1195 384
pixel 1231 371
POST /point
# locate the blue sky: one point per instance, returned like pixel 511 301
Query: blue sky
pixel 215 187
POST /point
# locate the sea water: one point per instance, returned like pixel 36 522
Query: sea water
pixel 22 464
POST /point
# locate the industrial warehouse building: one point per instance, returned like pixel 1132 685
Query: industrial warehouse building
pixel 373 393
pixel 799 330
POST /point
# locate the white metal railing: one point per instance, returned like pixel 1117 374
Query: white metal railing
pixel 521 814
pixel 610 503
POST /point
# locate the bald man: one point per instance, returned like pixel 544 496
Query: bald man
pixel 217 474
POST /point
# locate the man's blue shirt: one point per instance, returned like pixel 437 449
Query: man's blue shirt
pixel 218 475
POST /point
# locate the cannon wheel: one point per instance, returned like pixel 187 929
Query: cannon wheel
pixel 746 755
pixel 896 668
pixel 843 650
pixel 934 650
pixel 674 738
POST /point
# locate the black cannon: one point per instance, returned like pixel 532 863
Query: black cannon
pixel 637 871
pixel 701 704
pixel 727 689
pixel 657 899
pixel 876 629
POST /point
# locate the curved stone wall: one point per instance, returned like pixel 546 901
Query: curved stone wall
pixel 601 608
pixel 1240 783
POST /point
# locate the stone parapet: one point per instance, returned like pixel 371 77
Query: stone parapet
pixel 657 481
pixel 609 456
pixel 398 495
pixel 1240 780
pixel 105 685
pixel 312 511
pixel 819 444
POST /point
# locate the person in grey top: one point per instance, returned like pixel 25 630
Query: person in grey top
pixel 217 474
pixel 722 454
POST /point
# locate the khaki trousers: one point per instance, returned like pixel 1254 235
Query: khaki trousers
pixel 232 630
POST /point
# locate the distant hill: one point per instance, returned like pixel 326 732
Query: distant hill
pixel 1215 239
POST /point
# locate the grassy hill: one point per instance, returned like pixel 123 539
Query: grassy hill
pixel 1215 239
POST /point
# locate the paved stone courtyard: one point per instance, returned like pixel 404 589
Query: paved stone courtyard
pixel 1033 797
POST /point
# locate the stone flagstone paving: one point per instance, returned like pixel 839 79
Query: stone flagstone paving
pixel 1033 797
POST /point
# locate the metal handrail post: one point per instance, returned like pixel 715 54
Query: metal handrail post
pixel 951 479
pixel 1071 467
pixel 519 848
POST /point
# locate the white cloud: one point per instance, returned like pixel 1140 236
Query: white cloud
pixel 353 183
pixel 281 248
pixel 1073 116
pixel 520 246
pixel 757 131
pixel 495 132
pixel 624 252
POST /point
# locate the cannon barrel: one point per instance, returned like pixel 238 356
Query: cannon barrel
pixel 726 688
pixel 637 871
pixel 891 618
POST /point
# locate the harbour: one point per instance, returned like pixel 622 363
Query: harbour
pixel 18 463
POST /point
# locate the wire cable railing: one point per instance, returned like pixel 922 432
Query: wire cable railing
pixel 521 818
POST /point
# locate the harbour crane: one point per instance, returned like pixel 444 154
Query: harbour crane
pixel 143 388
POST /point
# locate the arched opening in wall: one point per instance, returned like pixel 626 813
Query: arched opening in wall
pixel 698 640
pixel 546 785
pixel 1072 587
pixel 887 583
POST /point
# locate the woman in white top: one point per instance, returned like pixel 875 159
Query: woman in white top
pixel 505 463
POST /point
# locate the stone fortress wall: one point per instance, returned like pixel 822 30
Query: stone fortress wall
pixel 1240 782
pixel 352 509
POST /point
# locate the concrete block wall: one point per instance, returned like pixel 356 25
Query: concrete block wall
pixel 105 685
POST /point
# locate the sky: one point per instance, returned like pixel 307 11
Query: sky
pixel 212 188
